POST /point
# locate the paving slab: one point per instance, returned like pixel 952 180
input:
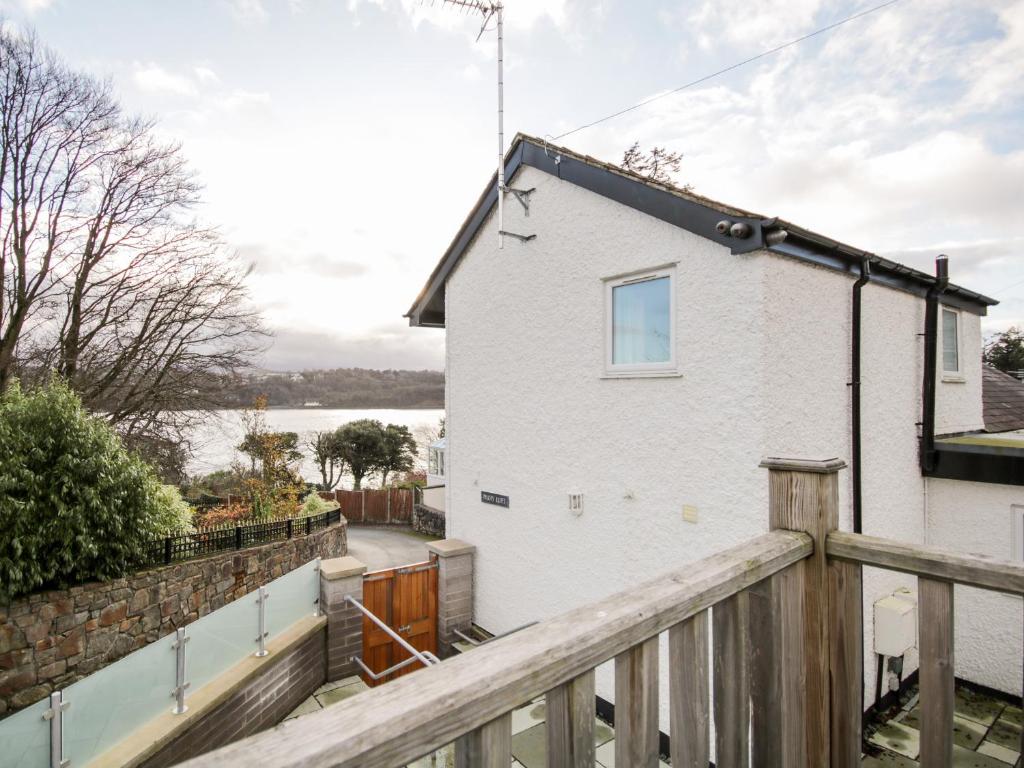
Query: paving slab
pixel 1005 734
pixel 977 706
pixel 605 756
pixel 333 696
pixel 888 760
pixel 898 738
pixel 1008 756
pixel 308 706
pixel 966 758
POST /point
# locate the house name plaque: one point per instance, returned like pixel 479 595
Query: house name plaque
pixel 493 498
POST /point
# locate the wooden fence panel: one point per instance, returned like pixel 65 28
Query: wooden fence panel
pixel 351 505
pixel 401 505
pixel 376 510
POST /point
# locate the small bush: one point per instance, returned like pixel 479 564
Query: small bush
pixel 174 515
pixel 75 505
pixel 222 515
pixel 314 505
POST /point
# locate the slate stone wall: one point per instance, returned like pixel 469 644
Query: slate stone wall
pixel 428 520
pixel 49 640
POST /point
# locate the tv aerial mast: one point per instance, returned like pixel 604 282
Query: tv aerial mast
pixel 493 10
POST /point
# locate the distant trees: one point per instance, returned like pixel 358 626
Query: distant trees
pixel 326 448
pixel 657 164
pixel 365 447
pixel 271 480
pixel 1005 351
pixel 107 279
pixel 398 450
pixel 344 388
pixel 362 445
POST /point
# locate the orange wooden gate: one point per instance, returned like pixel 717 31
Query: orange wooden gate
pixel 405 599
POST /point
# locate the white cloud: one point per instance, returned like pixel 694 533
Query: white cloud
pixel 205 75
pixel 32 6
pixel 154 78
pixel 758 23
pixel 471 72
pixel 249 10
pixel 239 98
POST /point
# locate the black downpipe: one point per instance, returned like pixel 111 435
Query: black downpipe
pixel 931 337
pixel 865 276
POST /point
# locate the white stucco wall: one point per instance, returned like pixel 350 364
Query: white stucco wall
pixel 976 518
pixel 763 345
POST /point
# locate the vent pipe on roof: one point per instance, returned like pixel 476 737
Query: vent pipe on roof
pixel 931 337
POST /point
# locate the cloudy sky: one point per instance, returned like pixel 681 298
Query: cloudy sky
pixel 342 142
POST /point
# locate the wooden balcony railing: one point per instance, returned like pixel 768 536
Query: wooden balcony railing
pixel 786 673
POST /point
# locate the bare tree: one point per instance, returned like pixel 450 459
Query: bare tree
pixel 657 164
pixel 108 280
pixel 54 127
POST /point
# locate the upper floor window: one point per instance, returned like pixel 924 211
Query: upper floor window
pixel 950 341
pixel 640 317
pixel 435 461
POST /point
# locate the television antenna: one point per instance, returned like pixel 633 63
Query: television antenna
pixel 492 10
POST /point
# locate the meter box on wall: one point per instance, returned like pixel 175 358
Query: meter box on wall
pixel 895 624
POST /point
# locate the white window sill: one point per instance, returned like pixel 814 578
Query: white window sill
pixel 953 378
pixel 643 375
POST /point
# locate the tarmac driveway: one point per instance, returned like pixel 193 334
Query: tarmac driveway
pixel 382 547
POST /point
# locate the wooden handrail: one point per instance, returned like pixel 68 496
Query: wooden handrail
pixel 929 562
pixel 398 723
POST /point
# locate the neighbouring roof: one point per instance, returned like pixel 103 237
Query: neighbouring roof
pixel 1002 398
pixel 684 209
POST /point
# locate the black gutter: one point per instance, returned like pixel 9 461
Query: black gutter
pixel 865 276
pixel 931 337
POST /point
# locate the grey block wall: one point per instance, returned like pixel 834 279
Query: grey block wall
pixel 339 578
pixel 454 590
pixel 259 704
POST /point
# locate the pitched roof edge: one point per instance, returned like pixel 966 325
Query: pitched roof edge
pixel 689 211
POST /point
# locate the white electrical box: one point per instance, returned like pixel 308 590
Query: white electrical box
pixel 895 624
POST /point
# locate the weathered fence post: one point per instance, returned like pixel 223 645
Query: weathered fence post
pixel 339 577
pixel 803 496
pixel 454 590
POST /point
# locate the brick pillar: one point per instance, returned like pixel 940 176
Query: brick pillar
pixel 454 590
pixel 339 577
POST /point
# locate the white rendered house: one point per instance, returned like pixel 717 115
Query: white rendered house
pixel 618 369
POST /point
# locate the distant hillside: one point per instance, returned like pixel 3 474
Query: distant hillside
pixel 344 388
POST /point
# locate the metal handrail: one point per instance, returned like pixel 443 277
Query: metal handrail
pixel 475 643
pixel 426 658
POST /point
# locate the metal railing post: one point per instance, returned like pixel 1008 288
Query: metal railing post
pixel 261 601
pixel 55 714
pixel 316 600
pixel 179 672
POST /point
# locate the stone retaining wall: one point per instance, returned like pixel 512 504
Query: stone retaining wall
pixel 51 639
pixel 428 520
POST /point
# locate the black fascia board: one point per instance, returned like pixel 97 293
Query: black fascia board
pixel 693 216
pixel 654 201
pixel 979 464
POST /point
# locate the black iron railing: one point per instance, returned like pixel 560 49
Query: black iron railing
pixel 220 538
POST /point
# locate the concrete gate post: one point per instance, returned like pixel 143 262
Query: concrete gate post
pixel 339 577
pixel 454 590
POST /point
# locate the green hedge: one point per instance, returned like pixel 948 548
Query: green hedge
pixel 75 505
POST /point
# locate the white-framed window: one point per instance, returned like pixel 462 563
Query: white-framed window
pixel 435 462
pixel 640 311
pixel 950 342
pixel 1017 523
